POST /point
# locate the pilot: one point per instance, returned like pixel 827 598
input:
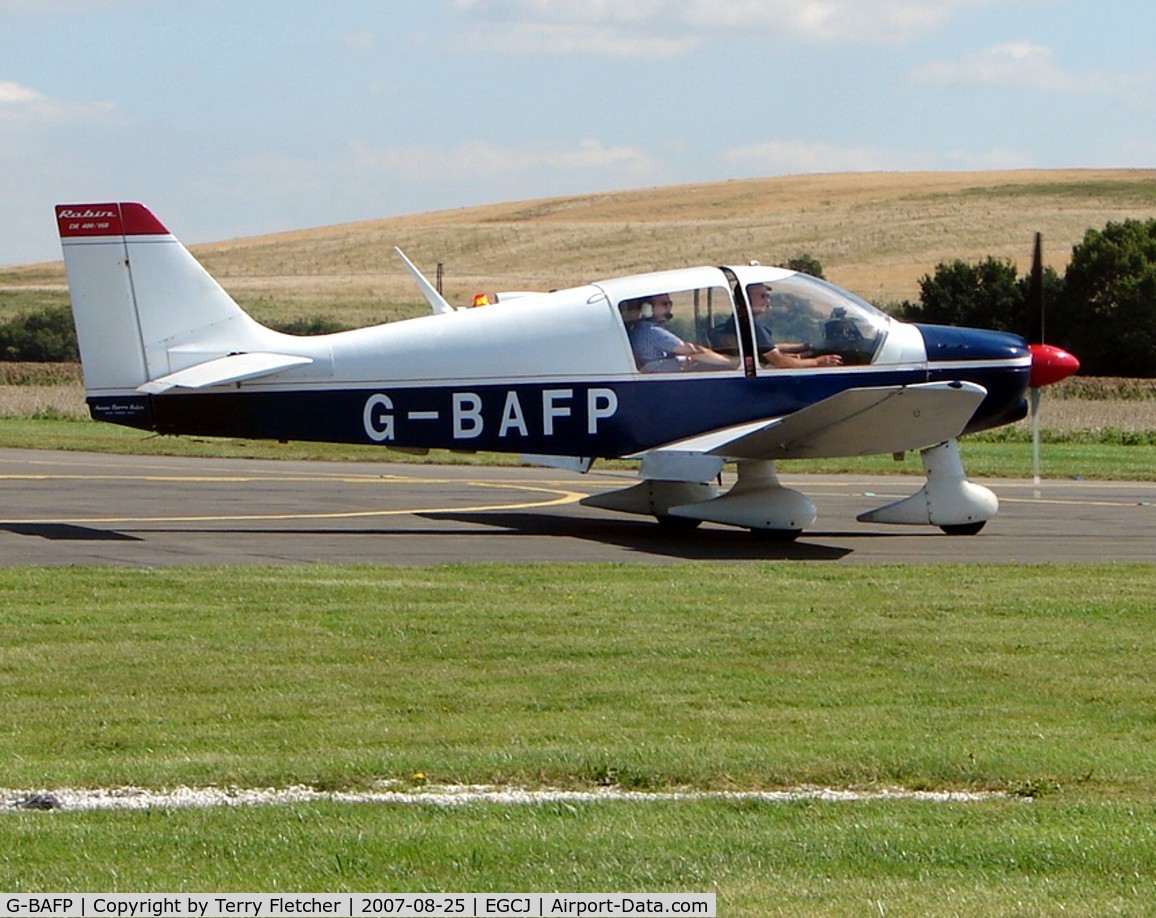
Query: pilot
pixel 658 349
pixel 759 297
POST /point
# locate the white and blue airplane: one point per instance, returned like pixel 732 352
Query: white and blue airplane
pixel 769 365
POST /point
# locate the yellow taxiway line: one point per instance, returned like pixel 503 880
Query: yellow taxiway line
pixel 557 497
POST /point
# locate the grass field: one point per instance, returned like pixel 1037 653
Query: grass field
pixel 1045 857
pixel 710 677
pixel 1030 681
pixel 1109 455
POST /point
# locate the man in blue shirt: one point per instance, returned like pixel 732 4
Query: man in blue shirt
pixel 759 297
pixel 659 350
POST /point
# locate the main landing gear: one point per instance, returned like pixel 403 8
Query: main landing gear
pixel 759 502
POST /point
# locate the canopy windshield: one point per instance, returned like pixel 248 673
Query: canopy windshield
pixel 808 316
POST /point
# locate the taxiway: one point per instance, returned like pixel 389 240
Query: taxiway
pixel 92 509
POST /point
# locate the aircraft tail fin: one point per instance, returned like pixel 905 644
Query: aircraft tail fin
pixel 144 307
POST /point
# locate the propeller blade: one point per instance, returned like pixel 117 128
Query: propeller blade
pixel 1035 302
pixel 1035 403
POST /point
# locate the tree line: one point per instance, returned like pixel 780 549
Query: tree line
pixel 48 335
pixel 1103 309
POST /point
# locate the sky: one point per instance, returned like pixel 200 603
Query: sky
pixel 232 118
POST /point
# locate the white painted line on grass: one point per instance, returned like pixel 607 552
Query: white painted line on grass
pixel 136 798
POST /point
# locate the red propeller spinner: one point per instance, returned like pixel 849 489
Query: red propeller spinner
pixel 1050 364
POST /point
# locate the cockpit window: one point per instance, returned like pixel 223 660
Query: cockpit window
pixel 670 330
pixel 809 317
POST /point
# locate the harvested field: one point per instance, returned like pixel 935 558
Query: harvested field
pixel 39 374
pixel 875 233
pixel 66 401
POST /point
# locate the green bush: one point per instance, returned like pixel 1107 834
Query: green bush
pixel 44 336
pixel 48 335
pixel 1107 315
pixel 314 325
pixel 807 264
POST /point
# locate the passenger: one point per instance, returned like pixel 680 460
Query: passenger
pixel 759 297
pixel 658 350
pixel 631 311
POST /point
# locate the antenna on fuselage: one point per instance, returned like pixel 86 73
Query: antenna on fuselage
pixel 436 301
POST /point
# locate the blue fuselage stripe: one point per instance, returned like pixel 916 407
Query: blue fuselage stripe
pixel 578 417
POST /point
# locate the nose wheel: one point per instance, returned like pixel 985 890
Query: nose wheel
pixel 948 500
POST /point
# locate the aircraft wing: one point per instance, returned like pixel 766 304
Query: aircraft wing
pixel 855 422
pixel 233 368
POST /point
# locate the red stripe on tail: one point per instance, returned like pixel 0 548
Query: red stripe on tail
pixel 107 220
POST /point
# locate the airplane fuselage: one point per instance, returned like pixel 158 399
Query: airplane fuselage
pixel 686 370
pixel 555 373
pixel 575 416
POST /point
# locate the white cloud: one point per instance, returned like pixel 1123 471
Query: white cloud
pixel 385 88
pixel 1016 65
pixel 862 21
pixel 986 160
pixel 483 161
pixel 788 157
pixel 572 10
pixel 799 157
pixel 51 7
pixel 665 28
pixel 607 28
pixel 14 94
pixel 21 104
pixel 608 40
pixel 362 40
pixel 17 7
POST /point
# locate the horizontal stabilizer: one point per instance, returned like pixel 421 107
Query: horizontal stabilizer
pixel 233 368
pixel 855 422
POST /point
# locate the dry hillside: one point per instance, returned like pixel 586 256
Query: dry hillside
pixel 876 234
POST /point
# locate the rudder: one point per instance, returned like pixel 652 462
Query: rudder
pixel 143 306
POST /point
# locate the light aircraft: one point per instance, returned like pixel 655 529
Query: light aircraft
pixel 553 377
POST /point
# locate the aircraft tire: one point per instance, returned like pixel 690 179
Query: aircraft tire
pixel 776 535
pixel 678 523
pixel 964 529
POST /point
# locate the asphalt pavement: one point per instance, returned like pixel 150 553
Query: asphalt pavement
pixel 62 508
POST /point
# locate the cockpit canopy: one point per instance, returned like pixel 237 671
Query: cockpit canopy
pixel 728 311
pixel 810 317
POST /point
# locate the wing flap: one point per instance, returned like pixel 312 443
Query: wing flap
pixel 855 422
pixel 233 368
